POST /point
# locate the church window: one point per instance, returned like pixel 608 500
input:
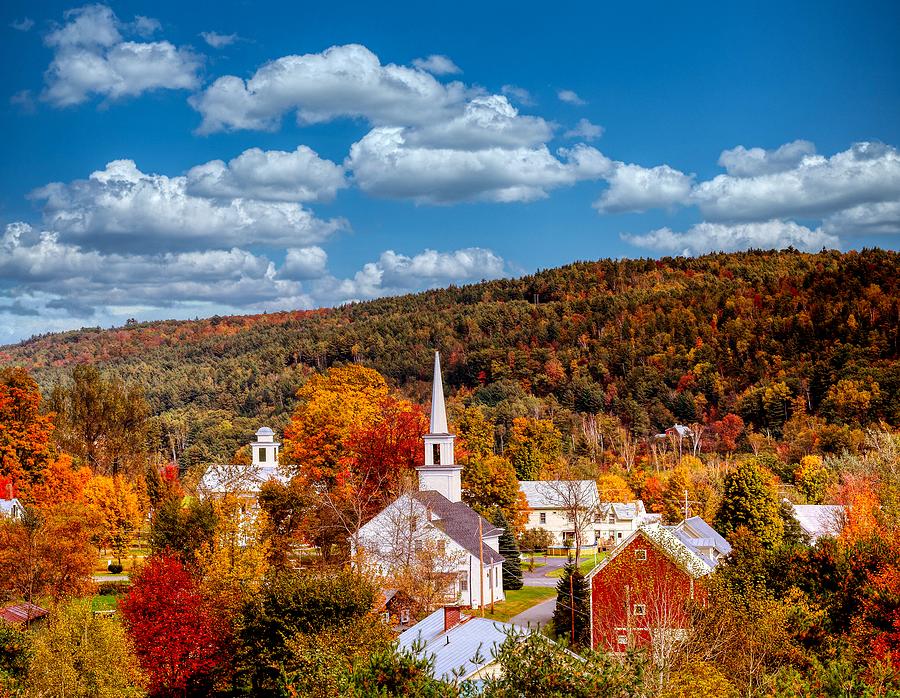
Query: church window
pixel 436 453
pixel 262 455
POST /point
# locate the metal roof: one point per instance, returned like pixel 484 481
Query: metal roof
pixel 818 520
pixel 8 507
pixel 548 494
pixel 706 536
pixel 453 651
pixel 22 613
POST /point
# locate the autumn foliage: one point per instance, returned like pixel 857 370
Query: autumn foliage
pixel 179 640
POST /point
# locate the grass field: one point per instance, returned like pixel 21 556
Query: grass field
pixel 518 601
pixel 104 602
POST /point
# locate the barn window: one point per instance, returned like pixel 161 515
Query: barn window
pixel 640 609
pixel 641 553
pixel 386 617
pixel 622 640
pixel 543 518
pixel 404 616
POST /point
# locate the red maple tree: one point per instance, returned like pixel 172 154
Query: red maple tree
pixel 179 640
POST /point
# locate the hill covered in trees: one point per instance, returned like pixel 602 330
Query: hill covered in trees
pixel 650 341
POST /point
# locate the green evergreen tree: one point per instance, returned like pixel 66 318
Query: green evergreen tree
pixel 509 549
pixel 751 502
pixel 572 595
pixel 793 533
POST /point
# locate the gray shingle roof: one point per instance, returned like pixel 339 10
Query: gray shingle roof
pixel 460 523
pixel 455 648
pixel 707 536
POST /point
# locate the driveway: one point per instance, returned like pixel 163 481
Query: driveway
pixel 537 616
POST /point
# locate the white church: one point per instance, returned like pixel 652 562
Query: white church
pixel 435 518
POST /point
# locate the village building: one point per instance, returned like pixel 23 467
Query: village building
pixel 640 594
pixel 396 609
pixel 705 538
pixel 23 614
pixel 561 506
pixel 244 481
pixel 819 520
pixel 11 508
pixel 461 546
pixel 462 647
pixel 615 521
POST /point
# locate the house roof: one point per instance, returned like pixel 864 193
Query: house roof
pixel 454 649
pixel 22 613
pixel 547 494
pixel 8 506
pixel 460 523
pixel 818 520
pixel 706 536
pixel 627 511
pixel 677 545
pixel 242 478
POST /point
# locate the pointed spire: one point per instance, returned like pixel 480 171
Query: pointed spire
pixel 438 410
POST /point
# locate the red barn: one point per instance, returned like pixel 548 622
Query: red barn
pixel 639 595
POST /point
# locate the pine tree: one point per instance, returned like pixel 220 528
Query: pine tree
pixel 750 501
pixel 509 549
pixel 571 618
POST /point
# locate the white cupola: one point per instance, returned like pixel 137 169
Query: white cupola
pixel 440 472
pixel 265 448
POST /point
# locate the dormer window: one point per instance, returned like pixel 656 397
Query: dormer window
pixel 640 609
pixel 436 453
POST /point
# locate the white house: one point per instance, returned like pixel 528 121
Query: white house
pixel 818 520
pixel 462 647
pixel 11 509
pixel 558 506
pixel 615 521
pixel 704 538
pixel 245 481
pixel 463 545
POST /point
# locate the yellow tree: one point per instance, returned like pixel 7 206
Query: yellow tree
pixel 117 508
pixel 60 483
pixel 533 443
pixel 331 407
pixel 490 482
pixel 614 488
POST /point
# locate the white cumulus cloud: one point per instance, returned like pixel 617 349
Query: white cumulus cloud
pixel 437 64
pixel 721 237
pixel 636 188
pixel 217 40
pixel 123 208
pixel 92 58
pixel 744 162
pixel 570 97
pixel 268 175
pixel 586 130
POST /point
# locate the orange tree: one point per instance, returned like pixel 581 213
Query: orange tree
pixel 24 432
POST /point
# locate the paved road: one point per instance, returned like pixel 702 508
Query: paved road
pixel 536 616
pixel 110 578
pixel 539 577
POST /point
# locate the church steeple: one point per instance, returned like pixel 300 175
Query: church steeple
pixel 440 472
pixel 438 410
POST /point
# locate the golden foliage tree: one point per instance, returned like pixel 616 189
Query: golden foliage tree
pixel 117 509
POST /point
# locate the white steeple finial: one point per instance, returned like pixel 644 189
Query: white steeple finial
pixel 438 409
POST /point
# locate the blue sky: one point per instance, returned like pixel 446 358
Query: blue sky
pixel 170 160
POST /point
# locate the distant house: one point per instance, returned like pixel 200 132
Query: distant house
pixel 11 509
pixel 245 481
pixel 395 609
pixel 463 548
pixel 640 593
pixel 705 538
pixel 819 520
pixel 462 647
pixel 615 521
pixel 559 506
pixel 23 613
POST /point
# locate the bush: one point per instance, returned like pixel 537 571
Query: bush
pixel 112 588
pixel 114 568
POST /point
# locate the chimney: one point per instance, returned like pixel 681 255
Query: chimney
pixel 452 617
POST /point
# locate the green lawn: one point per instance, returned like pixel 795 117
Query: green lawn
pixel 585 565
pixel 518 601
pixel 104 602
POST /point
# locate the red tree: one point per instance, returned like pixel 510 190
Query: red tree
pixel 178 639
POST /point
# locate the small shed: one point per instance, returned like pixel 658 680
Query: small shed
pixel 23 613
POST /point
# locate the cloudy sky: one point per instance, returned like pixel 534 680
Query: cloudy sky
pixel 164 159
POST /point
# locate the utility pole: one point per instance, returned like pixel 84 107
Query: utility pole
pixel 687 506
pixel 481 565
pixel 572 602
